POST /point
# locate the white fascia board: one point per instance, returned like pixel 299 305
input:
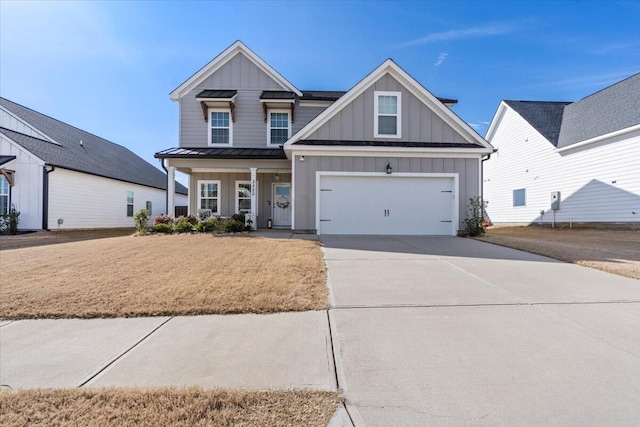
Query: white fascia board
pixel 496 118
pixel 410 84
pixel 29 125
pixel 385 152
pixel 599 138
pixel 217 62
pixel 278 101
pixel 322 104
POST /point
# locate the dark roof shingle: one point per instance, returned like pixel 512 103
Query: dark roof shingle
pixel 545 117
pixel 95 156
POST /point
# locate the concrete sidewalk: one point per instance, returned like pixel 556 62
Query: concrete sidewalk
pixel 284 350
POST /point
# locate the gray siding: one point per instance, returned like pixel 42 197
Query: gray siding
pixel 228 183
pixel 249 128
pixel 355 121
pixel 305 178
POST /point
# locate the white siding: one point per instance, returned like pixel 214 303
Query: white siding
pixel 11 122
pixel 87 201
pixel 26 194
pixel 598 183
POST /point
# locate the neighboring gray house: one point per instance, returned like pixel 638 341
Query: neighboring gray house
pixel 586 151
pixel 59 176
pixel 385 157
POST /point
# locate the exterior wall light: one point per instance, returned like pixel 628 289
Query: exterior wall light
pixel 389 170
pixel 302 158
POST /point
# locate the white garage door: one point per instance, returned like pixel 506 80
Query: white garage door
pixel 386 205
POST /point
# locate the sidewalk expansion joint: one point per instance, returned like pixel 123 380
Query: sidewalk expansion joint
pixel 100 370
pixel 335 367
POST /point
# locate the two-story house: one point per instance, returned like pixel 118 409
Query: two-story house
pixel 385 157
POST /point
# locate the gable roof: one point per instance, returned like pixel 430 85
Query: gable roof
pixel 236 48
pixel 96 156
pixel 545 117
pixel 611 109
pixel 391 68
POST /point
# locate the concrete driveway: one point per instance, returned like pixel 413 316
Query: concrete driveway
pixel 451 331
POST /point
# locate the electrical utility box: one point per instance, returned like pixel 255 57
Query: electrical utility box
pixel 555 200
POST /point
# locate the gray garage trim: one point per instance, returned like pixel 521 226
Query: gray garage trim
pixel 305 172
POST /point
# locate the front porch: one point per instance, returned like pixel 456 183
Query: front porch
pixel 223 182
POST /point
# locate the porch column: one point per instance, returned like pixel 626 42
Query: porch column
pixel 254 192
pixel 171 191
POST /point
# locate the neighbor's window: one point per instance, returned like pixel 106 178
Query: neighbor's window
pixel 149 206
pixel 209 196
pixel 279 127
pixel 4 195
pixel 220 132
pixel 519 197
pixel 129 203
pixel 243 197
pixel 387 108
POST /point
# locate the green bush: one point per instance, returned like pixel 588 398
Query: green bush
pixel 162 228
pixel 183 227
pixel 234 226
pixel 474 223
pixel 210 225
pixel 14 219
pixel 191 219
pixel 238 217
pixel 141 218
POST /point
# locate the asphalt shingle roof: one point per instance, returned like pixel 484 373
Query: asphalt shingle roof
pixel 95 156
pixel 6 159
pixel 545 117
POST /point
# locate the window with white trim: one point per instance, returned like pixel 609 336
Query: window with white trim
pixel 387 111
pixel 519 197
pixel 129 203
pixel 209 196
pixel 220 127
pixel 4 195
pixel 279 127
pixel 243 197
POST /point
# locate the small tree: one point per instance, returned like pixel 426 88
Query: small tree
pixel 141 218
pixel 14 219
pixel 474 223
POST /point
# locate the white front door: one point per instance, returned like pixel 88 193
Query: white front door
pixel 281 205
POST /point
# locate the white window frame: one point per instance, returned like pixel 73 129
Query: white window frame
pixel 513 198
pixel 7 194
pixel 199 199
pixel 132 204
pixel 277 110
pixel 219 110
pixel 376 95
pixel 255 210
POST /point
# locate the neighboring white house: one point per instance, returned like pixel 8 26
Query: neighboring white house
pixel 58 176
pixel 586 153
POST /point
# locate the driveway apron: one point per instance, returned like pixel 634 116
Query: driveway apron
pixel 452 331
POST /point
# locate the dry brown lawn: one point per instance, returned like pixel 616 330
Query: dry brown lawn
pixel 164 407
pixel 162 275
pixel 42 238
pixel 612 250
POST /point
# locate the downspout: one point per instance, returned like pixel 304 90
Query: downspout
pixel 45 196
pixel 166 192
pixel 482 177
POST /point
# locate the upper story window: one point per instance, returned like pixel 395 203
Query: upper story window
pixel 279 127
pixel 220 127
pixel 387 110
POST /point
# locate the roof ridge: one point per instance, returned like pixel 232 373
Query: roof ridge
pixel 609 87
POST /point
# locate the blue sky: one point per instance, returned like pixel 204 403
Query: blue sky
pixel 108 67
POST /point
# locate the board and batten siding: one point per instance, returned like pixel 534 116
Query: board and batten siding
pixel 355 122
pixel 11 122
pixel 88 201
pixel 468 170
pixel 26 194
pixel 599 182
pixel 227 197
pixel 249 128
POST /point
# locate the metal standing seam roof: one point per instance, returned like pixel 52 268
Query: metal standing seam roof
pixel 6 159
pixel 216 93
pixel 95 156
pixel 222 153
pixel 277 94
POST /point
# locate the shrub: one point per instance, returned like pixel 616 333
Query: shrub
pixel 211 225
pixel 183 227
pixel 191 219
pixel 141 218
pixel 12 219
pixel 238 217
pixel 162 228
pixel 162 219
pixel 234 226
pixel 474 223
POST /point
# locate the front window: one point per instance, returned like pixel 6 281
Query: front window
pixel 519 197
pixel 129 203
pixel 243 197
pixel 279 127
pixel 209 197
pixel 387 108
pixel 220 127
pixel 4 195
